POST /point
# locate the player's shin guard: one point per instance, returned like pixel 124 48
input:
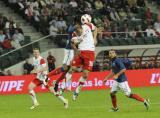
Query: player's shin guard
pixel 33 96
pixel 114 100
pixel 81 83
pixel 137 97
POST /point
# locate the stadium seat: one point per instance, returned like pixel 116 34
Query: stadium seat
pixel 149 40
pixel 4 62
pixel 123 41
pixel 156 40
pixel 113 42
pixel 140 41
pixel 131 41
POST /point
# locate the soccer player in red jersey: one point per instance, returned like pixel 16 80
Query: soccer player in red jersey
pixel 84 46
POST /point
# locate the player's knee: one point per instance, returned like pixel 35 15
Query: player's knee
pixel 85 74
pixel 128 94
pixel 31 86
pixel 112 93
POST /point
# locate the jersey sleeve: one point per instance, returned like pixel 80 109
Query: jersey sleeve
pixel 91 26
pixel 120 64
pixel 43 63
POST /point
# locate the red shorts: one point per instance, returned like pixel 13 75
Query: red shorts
pixel 84 59
pixel 37 82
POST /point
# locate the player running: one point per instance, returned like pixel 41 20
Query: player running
pixel 120 82
pixel 84 46
pixel 40 70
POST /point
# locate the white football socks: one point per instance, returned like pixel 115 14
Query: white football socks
pixel 33 96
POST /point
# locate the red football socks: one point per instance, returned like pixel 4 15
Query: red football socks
pixel 114 101
pixel 137 97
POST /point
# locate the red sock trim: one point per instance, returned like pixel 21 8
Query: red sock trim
pixel 81 83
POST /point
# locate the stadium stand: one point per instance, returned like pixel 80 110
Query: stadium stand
pixel 113 16
pixel 120 23
pixel 140 58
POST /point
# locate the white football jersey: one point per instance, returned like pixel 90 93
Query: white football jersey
pixel 87 41
pixel 40 63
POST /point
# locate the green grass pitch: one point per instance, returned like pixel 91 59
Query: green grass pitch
pixel 90 104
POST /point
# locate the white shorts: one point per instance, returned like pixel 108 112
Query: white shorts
pixel 121 86
pixel 68 56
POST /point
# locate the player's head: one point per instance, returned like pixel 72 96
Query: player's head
pixel 78 30
pixel 36 52
pixel 112 54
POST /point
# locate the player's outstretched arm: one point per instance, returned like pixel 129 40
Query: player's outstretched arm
pixel 108 76
pixel 95 35
pixel 119 73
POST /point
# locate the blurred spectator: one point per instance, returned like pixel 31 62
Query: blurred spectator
pixel 157 65
pixel 132 33
pixel 73 4
pixel 51 61
pixel 148 15
pixel 29 13
pixel 8 35
pixel 141 3
pixel 114 15
pixel 18 27
pixel 157 26
pixel 3 21
pixel 27 67
pixel 10 23
pixel 122 14
pixel 61 25
pixel 96 66
pixel 18 36
pixel 98 4
pixel 15 43
pixel 150 31
pixel 53 30
pixel 139 32
pixel 36 17
pixel 2 36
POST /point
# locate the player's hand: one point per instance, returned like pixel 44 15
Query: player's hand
pixel 104 81
pixel 77 53
pixel 115 76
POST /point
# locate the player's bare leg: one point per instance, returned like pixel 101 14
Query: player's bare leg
pixel 81 83
pixel 33 95
pixel 65 101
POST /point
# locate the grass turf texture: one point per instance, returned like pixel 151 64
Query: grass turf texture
pixel 90 104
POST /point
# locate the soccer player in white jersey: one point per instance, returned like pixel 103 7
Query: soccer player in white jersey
pixel 84 43
pixel 40 71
